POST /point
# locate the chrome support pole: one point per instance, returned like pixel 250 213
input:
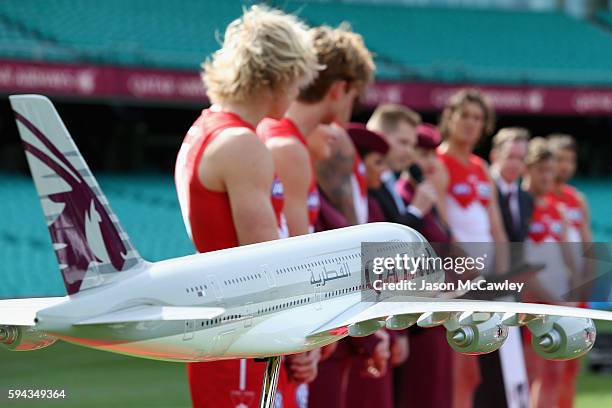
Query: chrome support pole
pixel 270 382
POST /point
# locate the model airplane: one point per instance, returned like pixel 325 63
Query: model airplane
pixel 256 301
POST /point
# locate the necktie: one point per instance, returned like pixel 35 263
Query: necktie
pixel 514 216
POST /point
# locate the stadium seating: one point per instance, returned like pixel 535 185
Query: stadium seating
pixel 146 205
pixel 14 43
pixel 480 44
pixel 605 17
pixel 423 43
pixel 133 32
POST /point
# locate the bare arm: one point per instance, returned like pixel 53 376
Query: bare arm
pixel 292 165
pixel 334 176
pixel 241 165
pixel 571 264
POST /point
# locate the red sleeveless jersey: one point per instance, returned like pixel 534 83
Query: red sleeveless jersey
pixel 570 199
pixel 271 128
pixel 207 214
pixel 546 221
pixel 468 182
pixel 208 218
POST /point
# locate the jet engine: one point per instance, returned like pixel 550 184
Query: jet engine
pixel 569 338
pixel 478 338
pixel 365 328
pixel 23 338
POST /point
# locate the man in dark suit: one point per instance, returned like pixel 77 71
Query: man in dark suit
pixel 507 166
pixel 430 352
pixel 398 124
pixel 508 155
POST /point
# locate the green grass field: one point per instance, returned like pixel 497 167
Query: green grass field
pixel 92 378
pixel 98 379
pixel 595 390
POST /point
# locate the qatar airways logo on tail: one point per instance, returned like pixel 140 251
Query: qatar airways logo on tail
pixel 95 238
pixel 81 229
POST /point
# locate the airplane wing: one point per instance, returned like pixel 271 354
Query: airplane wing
pixel 22 312
pixel 424 307
pixel 155 313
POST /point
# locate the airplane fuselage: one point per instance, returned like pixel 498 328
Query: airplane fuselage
pixel 274 294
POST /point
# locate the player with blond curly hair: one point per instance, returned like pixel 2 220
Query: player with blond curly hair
pixel 224 174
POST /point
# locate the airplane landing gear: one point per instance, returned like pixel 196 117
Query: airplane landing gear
pixel 270 382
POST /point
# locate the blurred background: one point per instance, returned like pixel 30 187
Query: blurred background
pixel 124 77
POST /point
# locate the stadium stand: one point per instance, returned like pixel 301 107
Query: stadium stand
pixel 605 17
pixel 417 43
pixel 19 43
pixel 145 204
pixel 133 32
pixel 482 45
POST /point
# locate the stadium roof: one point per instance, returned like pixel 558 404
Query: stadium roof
pixel 411 43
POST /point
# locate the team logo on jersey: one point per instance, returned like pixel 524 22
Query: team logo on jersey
pixel 277 188
pixel 548 227
pixel 283 228
pixel 301 396
pixel 484 190
pixel 536 228
pixel 574 214
pixel 461 189
pixel 313 200
pixel 361 168
pixel 556 227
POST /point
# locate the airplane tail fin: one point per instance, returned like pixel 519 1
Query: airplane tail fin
pixel 89 242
